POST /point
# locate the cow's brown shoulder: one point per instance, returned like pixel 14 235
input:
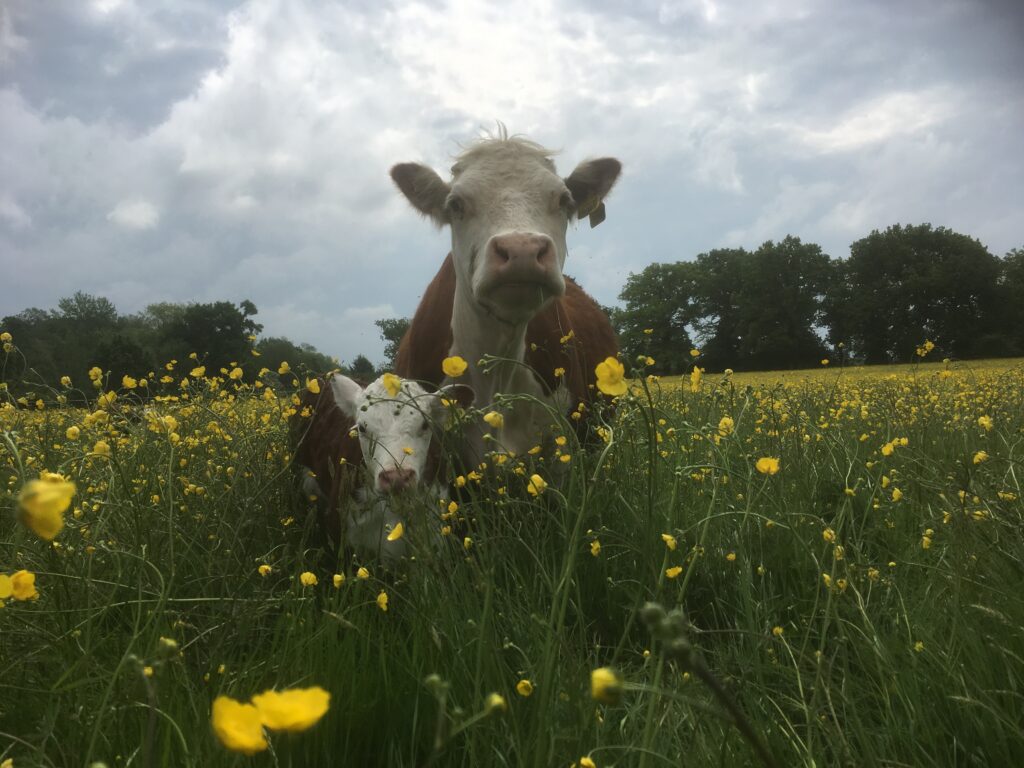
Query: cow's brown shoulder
pixel 426 343
pixel 573 334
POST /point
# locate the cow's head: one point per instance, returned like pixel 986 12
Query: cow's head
pixel 508 211
pixel 396 420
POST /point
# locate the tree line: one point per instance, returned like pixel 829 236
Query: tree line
pixel 789 305
pixel 784 305
pixel 86 331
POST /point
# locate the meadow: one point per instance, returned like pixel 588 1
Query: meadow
pixel 825 566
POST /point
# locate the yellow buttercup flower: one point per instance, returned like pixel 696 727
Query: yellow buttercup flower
pixel 985 422
pixel 767 465
pixel 283 368
pixel 670 541
pixel 198 372
pixel 537 485
pixel 43 503
pixel 308 579
pixel 524 688
pixel 362 573
pixel 726 426
pixel 265 570
pixel 605 685
pixel 695 375
pixel 454 366
pixel 495 703
pixel 313 385
pixel 238 726
pixel 611 377
pixel 673 571
pixel 397 532
pixel 382 601
pixel 101 448
pixel 73 433
pixel 20 585
pixel 595 548
pixel 392 383
pixel 494 419
pixel 293 710
pixel 979 457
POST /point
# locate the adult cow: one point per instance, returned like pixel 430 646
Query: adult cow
pixel 501 292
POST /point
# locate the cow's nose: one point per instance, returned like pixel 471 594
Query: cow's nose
pixel 396 479
pixel 519 255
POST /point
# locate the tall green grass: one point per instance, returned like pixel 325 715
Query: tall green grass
pixel 914 656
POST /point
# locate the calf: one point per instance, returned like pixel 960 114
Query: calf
pixel 388 432
pixel 501 292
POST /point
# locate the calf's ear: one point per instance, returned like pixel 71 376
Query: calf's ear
pixel 589 183
pixel 424 189
pixel 346 394
pixel 463 394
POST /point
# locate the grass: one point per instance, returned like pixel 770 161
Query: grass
pixel 847 627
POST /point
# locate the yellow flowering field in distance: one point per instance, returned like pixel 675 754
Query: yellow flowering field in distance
pixel 777 568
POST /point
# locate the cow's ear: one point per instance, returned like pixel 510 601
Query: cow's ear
pixel 346 394
pixel 459 393
pixel 590 183
pixel 424 189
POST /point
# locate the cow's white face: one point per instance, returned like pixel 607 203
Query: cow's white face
pixel 395 430
pixel 508 211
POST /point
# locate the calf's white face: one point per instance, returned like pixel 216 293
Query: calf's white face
pixel 395 430
pixel 508 211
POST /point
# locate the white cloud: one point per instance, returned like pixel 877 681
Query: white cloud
pixel 879 119
pixel 135 214
pixel 260 169
pixel 13 213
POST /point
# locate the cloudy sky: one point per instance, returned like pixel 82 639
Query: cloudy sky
pixel 191 150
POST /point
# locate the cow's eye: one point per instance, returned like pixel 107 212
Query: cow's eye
pixel 456 207
pixel 566 203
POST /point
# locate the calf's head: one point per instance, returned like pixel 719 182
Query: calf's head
pixel 396 421
pixel 508 211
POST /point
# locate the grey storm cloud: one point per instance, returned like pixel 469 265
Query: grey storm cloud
pixel 192 151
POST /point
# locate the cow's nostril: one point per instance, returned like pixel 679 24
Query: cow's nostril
pixel 542 251
pixel 501 253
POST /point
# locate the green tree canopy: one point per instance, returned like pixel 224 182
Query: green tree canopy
pixel 392 329
pixel 911 283
pixel 659 306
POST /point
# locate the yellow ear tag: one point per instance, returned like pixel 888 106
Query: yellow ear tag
pixel 594 208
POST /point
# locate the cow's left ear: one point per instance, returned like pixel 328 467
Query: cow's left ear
pixel 346 394
pixel 590 183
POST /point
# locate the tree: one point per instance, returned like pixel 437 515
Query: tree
pixel 721 276
pixel 659 307
pixel 362 369
pixel 274 351
pixel 912 283
pixel 219 331
pixel 392 329
pixel 781 305
pixel 1010 291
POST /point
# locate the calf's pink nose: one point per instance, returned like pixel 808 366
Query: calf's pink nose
pixel 396 479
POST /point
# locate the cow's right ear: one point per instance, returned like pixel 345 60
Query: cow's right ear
pixel 424 189
pixel 462 394
pixel 346 394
